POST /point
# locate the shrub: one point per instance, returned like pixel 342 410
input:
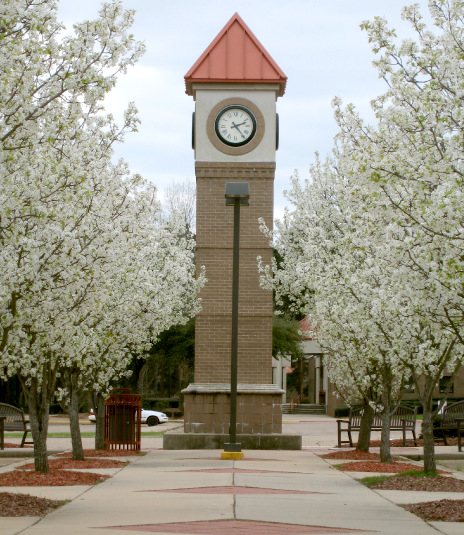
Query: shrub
pixel 56 408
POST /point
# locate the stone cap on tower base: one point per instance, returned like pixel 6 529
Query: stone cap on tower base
pixel 224 388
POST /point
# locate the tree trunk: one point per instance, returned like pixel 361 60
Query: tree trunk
pixel 99 411
pixel 73 411
pixel 300 378
pixel 39 406
pixel 430 466
pixel 364 438
pixel 385 454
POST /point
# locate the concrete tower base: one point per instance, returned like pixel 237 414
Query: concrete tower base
pixel 173 440
pixel 207 416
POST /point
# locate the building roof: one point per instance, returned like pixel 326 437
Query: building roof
pixel 235 56
pixel 306 329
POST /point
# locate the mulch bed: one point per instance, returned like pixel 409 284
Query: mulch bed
pixel 106 453
pixel 424 484
pixel 378 467
pixel 441 510
pixel 452 441
pixel 11 445
pixel 353 455
pixel 69 464
pixel 56 478
pixel 24 505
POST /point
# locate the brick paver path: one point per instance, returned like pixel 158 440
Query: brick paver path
pixel 231 471
pixel 234 527
pixel 233 490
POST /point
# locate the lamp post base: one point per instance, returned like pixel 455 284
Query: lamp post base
pixel 232 455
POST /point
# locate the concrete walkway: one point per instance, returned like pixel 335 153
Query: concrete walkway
pixel 298 491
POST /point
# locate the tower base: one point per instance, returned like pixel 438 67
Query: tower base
pixel 207 419
pixel 207 409
pixel 173 440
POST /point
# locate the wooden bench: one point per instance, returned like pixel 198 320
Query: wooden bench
pixel 403 419
pixel 15 420
pixel 450 416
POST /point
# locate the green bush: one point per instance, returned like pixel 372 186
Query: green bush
pixel 55 408
pixel 160 405
pixel 342 412
pixel 150 403
pixel 178 414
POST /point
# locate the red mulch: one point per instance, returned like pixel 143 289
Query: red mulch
pixel 398 443
pixel 441 510
pixel 56 478
pixel 69 464
pixel 11 445
pixel 377 467
pixel 106 453
pixel 424 484
pixel 353 455
pixel 24 505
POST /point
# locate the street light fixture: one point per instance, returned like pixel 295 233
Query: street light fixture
pixel 237 194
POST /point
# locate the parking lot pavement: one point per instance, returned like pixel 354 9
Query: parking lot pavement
pixel 196 492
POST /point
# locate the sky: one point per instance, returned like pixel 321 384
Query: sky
pixel 317 43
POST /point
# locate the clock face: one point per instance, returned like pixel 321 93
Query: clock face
pixel 235 125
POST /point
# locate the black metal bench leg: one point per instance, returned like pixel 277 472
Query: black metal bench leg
pixel 339 435
pixel 23 440
pixel 415 438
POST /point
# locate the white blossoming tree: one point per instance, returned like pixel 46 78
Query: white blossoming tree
pixel 411 164
pixel 87 273
pixel 404 191
pixel 342 284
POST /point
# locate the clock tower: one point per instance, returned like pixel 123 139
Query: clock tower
pixel 235 135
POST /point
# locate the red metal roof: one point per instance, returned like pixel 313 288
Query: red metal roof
pixel 306 329
pixel 235 56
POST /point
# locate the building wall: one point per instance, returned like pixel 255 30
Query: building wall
pixel 332 401
pixel 458 387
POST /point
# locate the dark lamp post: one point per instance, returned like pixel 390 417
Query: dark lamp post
pixel 237 194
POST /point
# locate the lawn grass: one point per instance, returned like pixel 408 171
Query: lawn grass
pixel 83 435
pixel 375 480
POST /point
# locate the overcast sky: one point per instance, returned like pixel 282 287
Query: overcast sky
pixel 317 43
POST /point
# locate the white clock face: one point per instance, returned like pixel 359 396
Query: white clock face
pixel 235 125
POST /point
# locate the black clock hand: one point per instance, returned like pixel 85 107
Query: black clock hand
pixel 237 127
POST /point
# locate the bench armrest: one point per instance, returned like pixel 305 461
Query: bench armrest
pixel 339 422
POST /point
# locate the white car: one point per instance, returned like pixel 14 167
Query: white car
pixel 150 418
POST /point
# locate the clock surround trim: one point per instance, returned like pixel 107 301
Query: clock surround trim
pixel 227 149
